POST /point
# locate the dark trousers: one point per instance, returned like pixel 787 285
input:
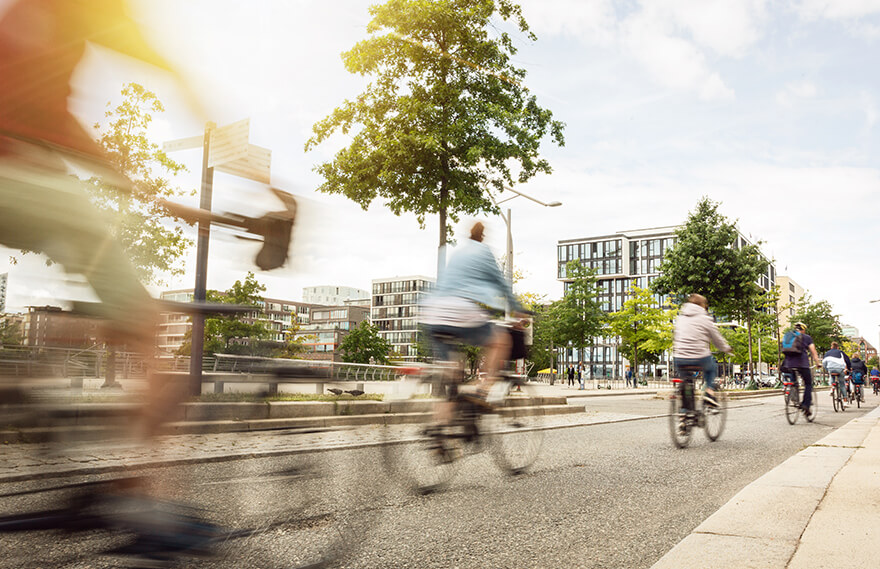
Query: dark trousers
pixel 807 377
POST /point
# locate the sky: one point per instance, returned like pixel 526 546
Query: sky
pixel 770 108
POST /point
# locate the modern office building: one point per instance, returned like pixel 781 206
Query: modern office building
pixel 52 327
pixel 327 327
pixel 395 311
pixel 4 279
pixel 329 295
pixel 621 260
pixel 280 317
pixel 849 331
pixel 790 293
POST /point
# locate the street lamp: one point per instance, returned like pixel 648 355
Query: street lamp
pixel 507 222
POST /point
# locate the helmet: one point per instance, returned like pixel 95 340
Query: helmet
pixel 800 326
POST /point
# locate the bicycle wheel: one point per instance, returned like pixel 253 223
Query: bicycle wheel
pixel 301 511
pixel 422 455
pixel 859 398
pixel 716 417
pixel 792 403
pixel 514 428
pixel 835 399
pixel 679 426
pixel 814 408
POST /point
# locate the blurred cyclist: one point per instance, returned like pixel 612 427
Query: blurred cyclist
pixel 859 373
pixel 800 363
pixel 837 362
pixel 456 310
pixel 694 331
pixel 875 379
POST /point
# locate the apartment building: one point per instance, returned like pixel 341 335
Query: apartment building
pixel 395 311
pixel 621 260
pixel 327 327
pixel 790 293
pixel 331 295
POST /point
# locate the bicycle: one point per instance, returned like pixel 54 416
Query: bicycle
pixel 876 384
pixel 427 454
pixel 685 414
pixel 791 393
pixel 858 394
pixel 837 399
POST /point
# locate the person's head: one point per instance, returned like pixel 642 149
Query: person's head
pixel 835 345
pixel 800 326
pixel 699 300
pixel 477 232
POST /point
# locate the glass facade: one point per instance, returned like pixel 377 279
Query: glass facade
pixel 395 311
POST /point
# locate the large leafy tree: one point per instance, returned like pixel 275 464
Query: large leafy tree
pixel 365 345
pixel 578 318
pixel 446 115
pixel 822 324
pixel 645 329
pixel 705 260
pixel 143 226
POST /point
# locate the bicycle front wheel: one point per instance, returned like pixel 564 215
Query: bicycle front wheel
pixel 792 404
pixel 679 427
pixel 514 428
pixel 716 417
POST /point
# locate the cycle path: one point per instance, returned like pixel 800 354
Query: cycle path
pixel 807 513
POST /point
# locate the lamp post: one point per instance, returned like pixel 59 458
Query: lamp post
pixel 507 222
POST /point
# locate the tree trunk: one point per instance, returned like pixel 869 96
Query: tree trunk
pixel 110 372
pixel 752 384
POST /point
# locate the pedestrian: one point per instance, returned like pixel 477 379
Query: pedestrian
pixel 580 375
pixel 570 375
pixel 629 376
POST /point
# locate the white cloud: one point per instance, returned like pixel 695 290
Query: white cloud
pixel 796 90
pixel 593 21
pixel 870 108
pixel 727 27
pixel 836 9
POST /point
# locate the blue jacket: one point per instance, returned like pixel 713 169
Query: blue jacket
pixel 473 273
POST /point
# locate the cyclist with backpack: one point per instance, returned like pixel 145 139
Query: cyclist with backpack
pixel 796 344
pixel 859 374
pixel 837 362
pixel 875 379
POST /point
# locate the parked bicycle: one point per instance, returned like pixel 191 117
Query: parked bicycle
pixel 426 455
pixel 685 413
pixel 837 398
pixel 792 396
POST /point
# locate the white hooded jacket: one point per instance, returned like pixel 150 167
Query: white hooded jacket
pixel 694 329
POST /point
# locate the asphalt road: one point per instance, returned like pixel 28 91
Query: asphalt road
pixel 615 495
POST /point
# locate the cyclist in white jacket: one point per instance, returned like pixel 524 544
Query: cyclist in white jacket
pixel 694 331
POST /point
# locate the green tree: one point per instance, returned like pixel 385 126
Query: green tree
pixel 822 324
pixel 644 329
pixel 578 318
pixel 141 222
pixel 364 345
pixel 446 115
pixel 544 337
pixel 873 361
pixel 705 260
pixel 11 333
pixel 231 333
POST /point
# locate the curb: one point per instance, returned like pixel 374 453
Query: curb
pixel 763 524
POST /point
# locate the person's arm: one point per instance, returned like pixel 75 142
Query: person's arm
pixel 716 338
pixel 815 355
pixel 846 359
pixel 497 278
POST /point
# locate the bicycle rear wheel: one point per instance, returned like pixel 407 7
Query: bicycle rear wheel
pixel 859 398
pixel 835 399
pixel 514 428
pixel 679 426
pixel 716 417
pixel 423 455
pixel 792 403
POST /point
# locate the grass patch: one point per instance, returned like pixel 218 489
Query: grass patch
pixel 257 397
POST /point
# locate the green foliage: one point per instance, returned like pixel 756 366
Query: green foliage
pixel 141 224
pixel 544 340
pixel 645 330
pixel 11 333
pixel 738 338
pixel 578 317
pixel 364 345
pixel 230 334
pixel 446 115
pixel 705 261
pixel 873 361
pixel 822 325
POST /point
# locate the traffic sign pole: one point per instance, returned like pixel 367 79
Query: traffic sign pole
pixel 200 292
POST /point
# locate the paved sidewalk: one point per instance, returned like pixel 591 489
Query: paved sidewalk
pixel 818 509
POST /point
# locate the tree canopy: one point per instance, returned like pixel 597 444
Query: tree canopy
pixel 446 115
pixel 141 226
pixel 364 345
pixel 705 260
pixel 822 324
pixel 645 330
pixel 578 318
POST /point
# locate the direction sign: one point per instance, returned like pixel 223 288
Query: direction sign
pixel 183 143
pixel 229 143
pixel 255 166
